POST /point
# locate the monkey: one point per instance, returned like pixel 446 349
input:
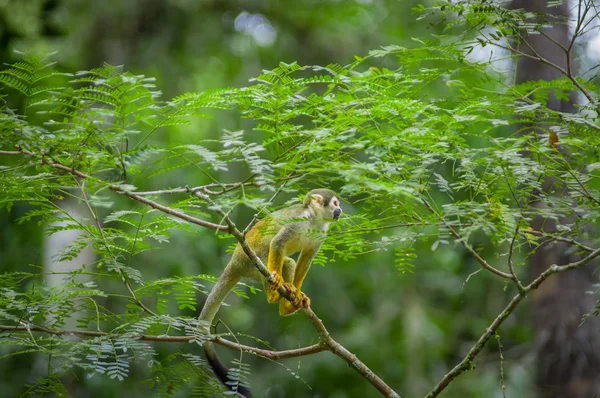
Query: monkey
pixel 299 228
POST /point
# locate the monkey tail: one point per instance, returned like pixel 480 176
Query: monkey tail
pixel 221 289
pixel 221 370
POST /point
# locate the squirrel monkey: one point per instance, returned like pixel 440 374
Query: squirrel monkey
pixel 300 228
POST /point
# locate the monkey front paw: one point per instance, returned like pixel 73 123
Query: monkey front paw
pixel 301 300
pixel 276 282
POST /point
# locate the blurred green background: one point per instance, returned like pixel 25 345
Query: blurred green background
pixel 410 329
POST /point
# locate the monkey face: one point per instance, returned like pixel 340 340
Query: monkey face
pixel 329 207
pixel 324 203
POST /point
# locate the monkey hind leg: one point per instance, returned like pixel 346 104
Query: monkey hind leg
pixel 285 307
pixel 288 271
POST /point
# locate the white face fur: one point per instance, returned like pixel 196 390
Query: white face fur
pixel 330 212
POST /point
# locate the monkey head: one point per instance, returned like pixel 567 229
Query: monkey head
pixel 324 203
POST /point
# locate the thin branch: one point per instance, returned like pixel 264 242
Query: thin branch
pixel 132 195
pixel 585 192
pixel 291 148
pixel 270 354
pixel 576 33
pixel 500 351
pixel 553 40
pixel 478 270
pixel 557 238
pixel 456 235
pixel 510 263
pixel 204 188
pixel 543 60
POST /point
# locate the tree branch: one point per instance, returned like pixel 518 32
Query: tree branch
pixel 543 60
pixel 270 354
pixel 132 195
pixel 467 362
pixel 204 188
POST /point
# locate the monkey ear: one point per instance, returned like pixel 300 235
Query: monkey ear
pixel 317 198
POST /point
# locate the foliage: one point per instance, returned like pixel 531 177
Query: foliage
pixel 413 169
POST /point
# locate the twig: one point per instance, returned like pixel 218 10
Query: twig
pixel 478 270
pixel 456 235
pixel 536 56
pixel 585 190
pixel 510 263
pixel 576 33
pixel 204 188
pixel 553 40
pixel 556 269
pixel 542 60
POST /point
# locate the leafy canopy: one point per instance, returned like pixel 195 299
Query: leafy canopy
pixel 419 142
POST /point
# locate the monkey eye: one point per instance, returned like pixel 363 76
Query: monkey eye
pixel 336 203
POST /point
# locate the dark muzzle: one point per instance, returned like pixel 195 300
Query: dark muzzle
pixel 336 213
